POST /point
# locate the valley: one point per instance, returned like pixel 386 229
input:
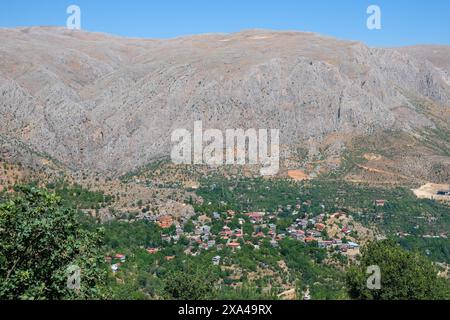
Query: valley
pixel 85 135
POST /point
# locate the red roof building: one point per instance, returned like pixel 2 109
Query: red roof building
pixel 233 244
pixel 320 226
pixel 165 222
pixel 152 250
pixel 380 203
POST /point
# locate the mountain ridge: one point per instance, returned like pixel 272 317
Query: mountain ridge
pixel 109 104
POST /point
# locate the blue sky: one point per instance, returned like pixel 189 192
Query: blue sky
pixel 403 22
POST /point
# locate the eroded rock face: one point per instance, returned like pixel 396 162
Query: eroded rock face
pixel 106 103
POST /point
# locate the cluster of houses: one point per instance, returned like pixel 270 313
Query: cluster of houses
pixel 306 229
pixel 309 230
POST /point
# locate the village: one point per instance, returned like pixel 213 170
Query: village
pixel 336 232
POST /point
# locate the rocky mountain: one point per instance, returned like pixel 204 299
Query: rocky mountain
pixel 109 104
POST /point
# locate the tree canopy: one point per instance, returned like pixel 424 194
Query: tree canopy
pixel 193 283
pixel 40 242
pixel 405 275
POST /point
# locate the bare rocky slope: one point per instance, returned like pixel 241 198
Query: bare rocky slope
pixel 109 104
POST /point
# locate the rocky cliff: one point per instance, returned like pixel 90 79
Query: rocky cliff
pixel 105 103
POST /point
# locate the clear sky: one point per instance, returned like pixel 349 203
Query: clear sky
pixel 404 22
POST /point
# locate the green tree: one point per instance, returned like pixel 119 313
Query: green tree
pixel 248 228
pixel 195 282
pixel 405 275
pixel 189 226
pixel 39 241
